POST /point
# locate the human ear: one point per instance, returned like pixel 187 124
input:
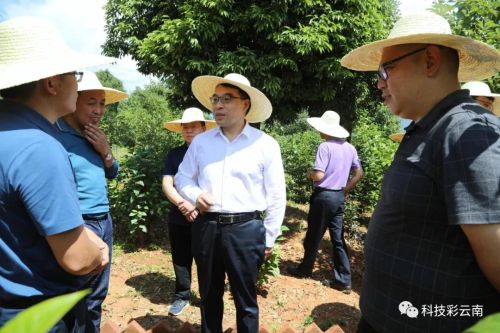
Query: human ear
pixel 433 59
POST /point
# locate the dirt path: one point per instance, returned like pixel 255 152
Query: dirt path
pixel 142 284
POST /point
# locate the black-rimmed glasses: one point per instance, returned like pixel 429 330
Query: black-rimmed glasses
pixel 382 71
pixel 224 99
pixel 78 75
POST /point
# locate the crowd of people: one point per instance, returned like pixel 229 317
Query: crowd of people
pixel 431 240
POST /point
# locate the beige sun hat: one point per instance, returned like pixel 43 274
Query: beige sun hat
pixel 188 116
pixel 91 82
pixel 329 124
pixel 397 137
pixel 477 59
pixel 31 49
pixel 203 88
pixel 478 88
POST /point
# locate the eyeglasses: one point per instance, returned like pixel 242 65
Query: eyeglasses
pixel 382 71
pixel 224 99
pixel 78 75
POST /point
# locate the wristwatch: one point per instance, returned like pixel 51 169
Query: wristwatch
pixel 108 157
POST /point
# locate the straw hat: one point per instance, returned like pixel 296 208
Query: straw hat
pixel 478 88
pixel 329 124
pixel 188 116
pixel 91 82
pixel 31 49
pixel 204 86
pixel 477 60
pixel 397 137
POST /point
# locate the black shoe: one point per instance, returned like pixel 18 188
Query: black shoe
pixel 297 272
pixel 340 287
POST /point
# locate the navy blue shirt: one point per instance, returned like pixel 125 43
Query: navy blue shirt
pixel 445 173
pixel 171 165
pixel 89 169
pixel 37 199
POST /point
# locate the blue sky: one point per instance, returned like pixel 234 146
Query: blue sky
pixel 81 23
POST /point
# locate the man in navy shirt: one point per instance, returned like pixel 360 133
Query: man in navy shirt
pixel 45 250
pixel 182 213
pixel 92 161
pixel 431 262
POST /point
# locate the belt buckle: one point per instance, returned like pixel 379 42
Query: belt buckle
pixel 226 219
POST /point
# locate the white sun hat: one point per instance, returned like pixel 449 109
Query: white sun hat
pixel 478 88
pixel 329 124
pixel 91 82
pixel 31 49
pixel 188 116
pixel 477 59
pixel 203 88
pixel 397 137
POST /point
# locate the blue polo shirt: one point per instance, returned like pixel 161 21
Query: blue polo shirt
pixel 37 199
pixel 89 169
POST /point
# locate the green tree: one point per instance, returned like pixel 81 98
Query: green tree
pixel 290 49
pixel 478 19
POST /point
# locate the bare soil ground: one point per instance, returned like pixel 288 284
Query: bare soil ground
pixel 142 285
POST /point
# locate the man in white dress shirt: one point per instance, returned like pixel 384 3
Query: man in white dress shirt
pixel 234 175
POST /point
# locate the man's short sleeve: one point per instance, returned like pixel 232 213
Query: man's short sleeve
pixel 42 176
pixel 322 157
pixel 471 172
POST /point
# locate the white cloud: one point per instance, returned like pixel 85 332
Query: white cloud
pixel 81 23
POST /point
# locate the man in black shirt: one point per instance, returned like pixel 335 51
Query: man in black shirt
pixel 432 243
pixel 182 213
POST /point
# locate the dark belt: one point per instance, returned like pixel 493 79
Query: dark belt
pixel 230 218
pixel 22 302
pixel 322 189
pixel 95 217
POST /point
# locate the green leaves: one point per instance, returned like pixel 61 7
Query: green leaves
pixel 488 324
pixel 43 316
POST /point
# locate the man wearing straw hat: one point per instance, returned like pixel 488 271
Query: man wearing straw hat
pixel 335 159
pixel 44 246
pixel 182 213
pixel 481 92
pixel 430 251
pixel 234 175
pixel 92 161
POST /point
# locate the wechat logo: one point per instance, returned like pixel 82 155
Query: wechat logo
pixel 408 309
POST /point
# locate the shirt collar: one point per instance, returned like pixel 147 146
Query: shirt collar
pixel 247 131
pixel 64 127
pixel 30 115
pixel 445 105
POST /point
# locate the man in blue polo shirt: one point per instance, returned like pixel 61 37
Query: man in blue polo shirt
pixel 92 161
pixel 45 250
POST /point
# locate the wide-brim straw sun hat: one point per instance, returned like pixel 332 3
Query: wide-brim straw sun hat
pixel 31 49
pixel 397 137
pixel 477 59
pixel 90 81
pixel 188 116
pixel 478 88
pixel 329 124
pixel 203 88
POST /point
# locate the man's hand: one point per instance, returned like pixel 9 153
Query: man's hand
pixel 204 202
pixel 188 210
pixel 98 139
pixel 267 252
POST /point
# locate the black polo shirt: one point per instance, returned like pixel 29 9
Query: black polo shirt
pixel 446 172
pixel 170 166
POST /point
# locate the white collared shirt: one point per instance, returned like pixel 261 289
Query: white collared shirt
pixel 243 175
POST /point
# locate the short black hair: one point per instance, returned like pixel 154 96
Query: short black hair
pixel 25 90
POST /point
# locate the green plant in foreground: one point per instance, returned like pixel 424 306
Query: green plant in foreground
pixel 43 316
pixel 488 324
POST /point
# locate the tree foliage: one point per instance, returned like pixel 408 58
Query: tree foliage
pixel 290 49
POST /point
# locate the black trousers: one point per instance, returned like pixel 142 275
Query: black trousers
pixel 326 211
pixel 238 250
pixel 182 258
